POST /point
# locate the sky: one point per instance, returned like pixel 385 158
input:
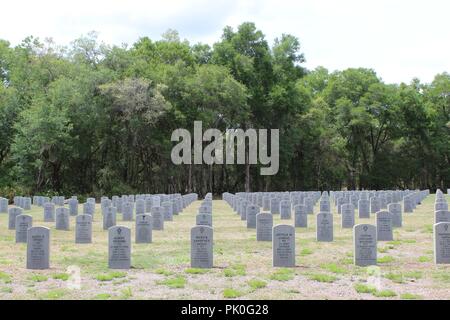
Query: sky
pixel 399 39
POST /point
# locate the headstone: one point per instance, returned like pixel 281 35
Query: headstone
pixel 3 205
pixel 203 219
pixel 441 216
pixel 365 245
pixel 168 210
pixel 285 210
pixel 38 248
pixel 275 206
pixel 264 225
pixel 324 231
pixel 23 223
pixel 119 242
pixel 140 207
pixel 89 208
pixel 347 216
pixel 375 205
pixel 252 211
pixel 364 209
pixel 12 214
pixel 201 247
pixel 109 217
pixel 49 212
pixel 158 218
pixel 127 211
pixel 395 209
pixel 384 226
pixel 143 228
pixel 73 207
pixel 442 243
pixel 62 219
pixel 83 228
pixel 301 217
pixel 283 246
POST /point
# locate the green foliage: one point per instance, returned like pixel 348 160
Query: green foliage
pixel 94 119
pixel 230 293
pixel 283 274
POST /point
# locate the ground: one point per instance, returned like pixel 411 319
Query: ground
pixel 242 266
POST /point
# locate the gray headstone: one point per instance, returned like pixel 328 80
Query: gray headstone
pixel 144 228
pixel 441 216
pixel 49 212
pixel 285 210
pixel 365 245
pixel 275 206
pixel 364 209
pixel 12 214
pixel 324 206
pixel 395 209
pixel 73 207
pixel 3 205
pixel 23 222
pixel 127 211
pixel 252 211
pixel 62 219
pixel 109 217
pixel 264 225
pixel 38 248
pixel 203 219
pixel 347 216
pixel 158 218
pixel 301 217
pixel 168 210
pixel 201 247
pixel 140 207
pixel 442 243
pixel 283 246
pixel 375 205
pixel 324 231
pixel 384 226
pixel 89 208
pixel 83 228
pixel 119 243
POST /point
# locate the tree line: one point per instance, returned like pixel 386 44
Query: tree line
pixel 93 118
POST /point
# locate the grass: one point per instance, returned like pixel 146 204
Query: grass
pixel 196 270
pixel 257 284
pixel 110 276
pixel 442 277
pixel 384 294
pixel 102 296
pixel 126 293
pixel 6 290
pixel 305 252
pixel 230 293
pixel 283 274
pixel 385 259
pixel 60 276
pixel 54 294
pixel 410 296
pixel 364 288
pixel 163 272
pixel 320 277
pixel 334 268
pixel 395 277
pixel 413 274
pixel 236 270
pixel 5 278
pixel 174 283
pixel 425 259
pixel 38 278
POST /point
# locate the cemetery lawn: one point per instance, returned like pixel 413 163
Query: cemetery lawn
pixel 242 266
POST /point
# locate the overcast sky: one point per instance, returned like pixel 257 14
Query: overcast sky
pixel 400 39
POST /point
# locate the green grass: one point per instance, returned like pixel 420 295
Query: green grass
pixel 306 251
pixel 236 270
pixel 384 294
pixel 385 259
pixel 229 293
pixel 427 228
pixel 102 296
pixel 60 276
pixel 196 270
pixel 54 294
pixel 383 249
pixel 364 288
pixel 441 276
pixel 395 277
pixel 126 293
pixel 257 284
pixel 6 290
pixel 320 277
pixel 37 278
pixel 177 282
pixel 5 278
pixel 425 259
pixel 413 274
pixel 410 296
pixel 334 268
pixel 283 274
pixel 163 272
pixel 394 242
pixel 110 276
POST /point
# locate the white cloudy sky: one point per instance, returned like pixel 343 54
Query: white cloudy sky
pixel 400 39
